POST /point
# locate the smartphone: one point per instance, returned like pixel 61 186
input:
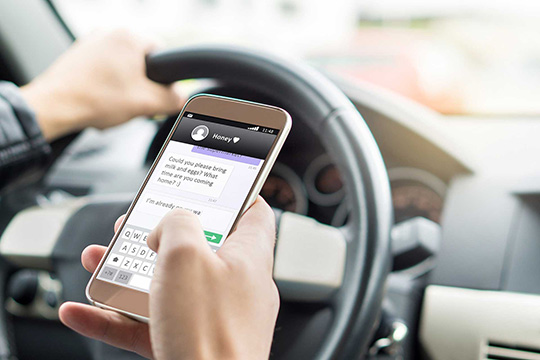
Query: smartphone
pixel 213 163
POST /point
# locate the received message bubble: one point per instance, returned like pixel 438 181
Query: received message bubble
pixel 157 205
pixel 192 174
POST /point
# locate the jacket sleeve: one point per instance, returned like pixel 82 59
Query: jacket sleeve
pixel 23 150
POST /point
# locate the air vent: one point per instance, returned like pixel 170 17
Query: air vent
pixel 499 351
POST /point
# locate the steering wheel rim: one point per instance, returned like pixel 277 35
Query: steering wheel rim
pixel 348 140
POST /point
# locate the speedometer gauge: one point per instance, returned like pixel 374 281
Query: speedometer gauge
pixel 284 190
pixel 412 200
pixel 323 182
pixel 416 192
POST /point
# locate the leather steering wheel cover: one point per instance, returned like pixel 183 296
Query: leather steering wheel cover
pixel 369 265
pixel 297 86
pixel 350 143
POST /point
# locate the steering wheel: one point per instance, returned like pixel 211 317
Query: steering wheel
pixel 331 280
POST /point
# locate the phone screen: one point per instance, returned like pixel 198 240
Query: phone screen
pixel 208 167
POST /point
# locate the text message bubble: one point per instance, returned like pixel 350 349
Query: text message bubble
pixel 157 205
pixel 194 175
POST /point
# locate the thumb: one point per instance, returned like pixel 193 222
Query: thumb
pixel 160 98
pixel 178 230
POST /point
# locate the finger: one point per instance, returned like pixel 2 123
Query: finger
pixel 163 99
pixel 255 234
pixel 107 326
pixel 177 230
pixel 91 256
pixel 151 44
pixel 174 98
pixel 147 43
pixel 131 39
pixel 119 222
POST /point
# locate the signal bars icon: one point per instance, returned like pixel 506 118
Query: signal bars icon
pixel 254 128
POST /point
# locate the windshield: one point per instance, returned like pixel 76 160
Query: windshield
pixel 457 57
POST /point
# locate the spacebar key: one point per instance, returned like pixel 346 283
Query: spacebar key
pixel 139 281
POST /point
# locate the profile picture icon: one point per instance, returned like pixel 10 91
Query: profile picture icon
pixel 200 133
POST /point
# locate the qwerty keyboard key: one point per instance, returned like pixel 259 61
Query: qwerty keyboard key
pixel 151 255
pixel 134 249
pixel 137 235
pixel 143 251
pixel 108 273
pixel 125 247
pixel 126 264
pixel 127 233
pixel 145 267
pixel 123 277
pixel 115 260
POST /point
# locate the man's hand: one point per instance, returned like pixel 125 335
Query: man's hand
pixel 99 82
pixel 202 304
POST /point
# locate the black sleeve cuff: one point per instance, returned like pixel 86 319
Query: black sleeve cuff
pixel 22 146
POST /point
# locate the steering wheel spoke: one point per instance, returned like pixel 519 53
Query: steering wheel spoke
pixel 31 236
pixel 310 259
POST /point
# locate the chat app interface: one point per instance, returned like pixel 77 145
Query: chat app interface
pixel 208 168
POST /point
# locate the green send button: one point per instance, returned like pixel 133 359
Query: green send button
pixel 213 237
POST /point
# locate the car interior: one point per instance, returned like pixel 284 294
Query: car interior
pixel 404 232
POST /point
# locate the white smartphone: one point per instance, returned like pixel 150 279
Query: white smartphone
pixel 213 163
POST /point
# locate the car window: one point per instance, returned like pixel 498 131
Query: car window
pixel 477 57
